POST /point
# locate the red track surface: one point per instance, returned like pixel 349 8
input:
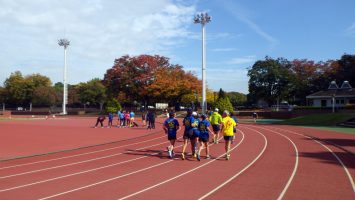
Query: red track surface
pixel 267 162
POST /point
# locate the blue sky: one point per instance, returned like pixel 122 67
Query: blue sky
pixel 241 32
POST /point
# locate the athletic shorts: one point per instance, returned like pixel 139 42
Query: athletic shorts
pixel 196 133
pixel 203 139
pixel 188 135
pixel 171 137
pixel 228 138
pixel 216 127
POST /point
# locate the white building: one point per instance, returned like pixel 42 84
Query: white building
pixel 343 96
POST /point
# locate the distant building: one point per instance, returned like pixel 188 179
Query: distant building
pixel 342 96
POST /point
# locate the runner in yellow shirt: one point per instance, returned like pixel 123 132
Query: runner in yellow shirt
pixel 216 120
pixel 228 125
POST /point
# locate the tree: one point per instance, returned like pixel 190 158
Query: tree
pixel 112 106
pixel 149 79
pixel 92 92
pixel 236 98
pixel 223 103
pixel 346 69
pixel 44 96
pixel 15 88
pixel 270 80
pixel 36 82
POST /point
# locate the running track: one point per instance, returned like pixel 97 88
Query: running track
pixel 267 162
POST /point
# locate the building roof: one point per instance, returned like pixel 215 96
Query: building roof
pixel 333 90
pixel 330 93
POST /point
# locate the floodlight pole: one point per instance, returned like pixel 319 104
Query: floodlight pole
pixel 203 19
pixel 65 43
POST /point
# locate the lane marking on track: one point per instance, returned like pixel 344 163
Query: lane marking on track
pixel 76 155
pixel 180 175
pixel 295 166
pixel 240 172
pixel 76 163
pixel 107 180
pixel 118 177
pixel 78 173
pixel 351 180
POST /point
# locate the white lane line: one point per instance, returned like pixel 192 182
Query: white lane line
pixel 239 173
pixel 76 163
pixel 295 166
pixel 351 180
pixel 78 173
pixel 76 155
pixel 107 180
pixel 180 175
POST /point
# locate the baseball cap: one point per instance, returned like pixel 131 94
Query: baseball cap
pixel 216 110
pixel 194 113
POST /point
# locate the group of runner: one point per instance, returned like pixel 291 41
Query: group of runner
pixel 197 129
pixel 124 119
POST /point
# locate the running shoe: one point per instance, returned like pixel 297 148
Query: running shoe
pixel 170 153
pixel 182 156
pixel 228 156
pixel 208 157
pixel 195 155
pixel 198 157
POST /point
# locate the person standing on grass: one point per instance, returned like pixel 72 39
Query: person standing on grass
pixel 204 129
pixel 189 123
pixel 216 120
pixel 171 127
pixel 100 120
pixel 228 125
pixel 110 120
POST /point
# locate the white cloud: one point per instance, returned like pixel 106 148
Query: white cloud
pixel 99 31
pixel 242 60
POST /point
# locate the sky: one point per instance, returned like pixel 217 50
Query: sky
pixel 240 33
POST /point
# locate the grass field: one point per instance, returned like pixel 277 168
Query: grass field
pixel 331 119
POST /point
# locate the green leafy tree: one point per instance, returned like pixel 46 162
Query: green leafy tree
pixel 92 92
pixel 44 96
pixel 223 103
pixel 236 98
pixel 113 106
pixel 270 80
pixel 15 88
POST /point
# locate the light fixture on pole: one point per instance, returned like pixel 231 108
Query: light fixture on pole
pixel 65 43
pixel 203 19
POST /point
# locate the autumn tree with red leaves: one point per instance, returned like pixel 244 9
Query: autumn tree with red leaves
pixel 146 80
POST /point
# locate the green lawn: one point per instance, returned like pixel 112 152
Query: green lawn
pixel 331 119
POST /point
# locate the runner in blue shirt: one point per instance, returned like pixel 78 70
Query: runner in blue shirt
pixel 189 123
pixel 204 129
pixel 171 127
pixel 110 119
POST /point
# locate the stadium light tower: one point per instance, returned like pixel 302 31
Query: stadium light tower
pixel 65 43
pixel 203 19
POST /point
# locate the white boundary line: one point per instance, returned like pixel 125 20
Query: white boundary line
pixel 77 173
pixel 240 172
pixel 178 176
pixel 295 166
pixel 107 180
pixel 75 163
pixel 334 154
pixel 118 177
pixel 76 155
